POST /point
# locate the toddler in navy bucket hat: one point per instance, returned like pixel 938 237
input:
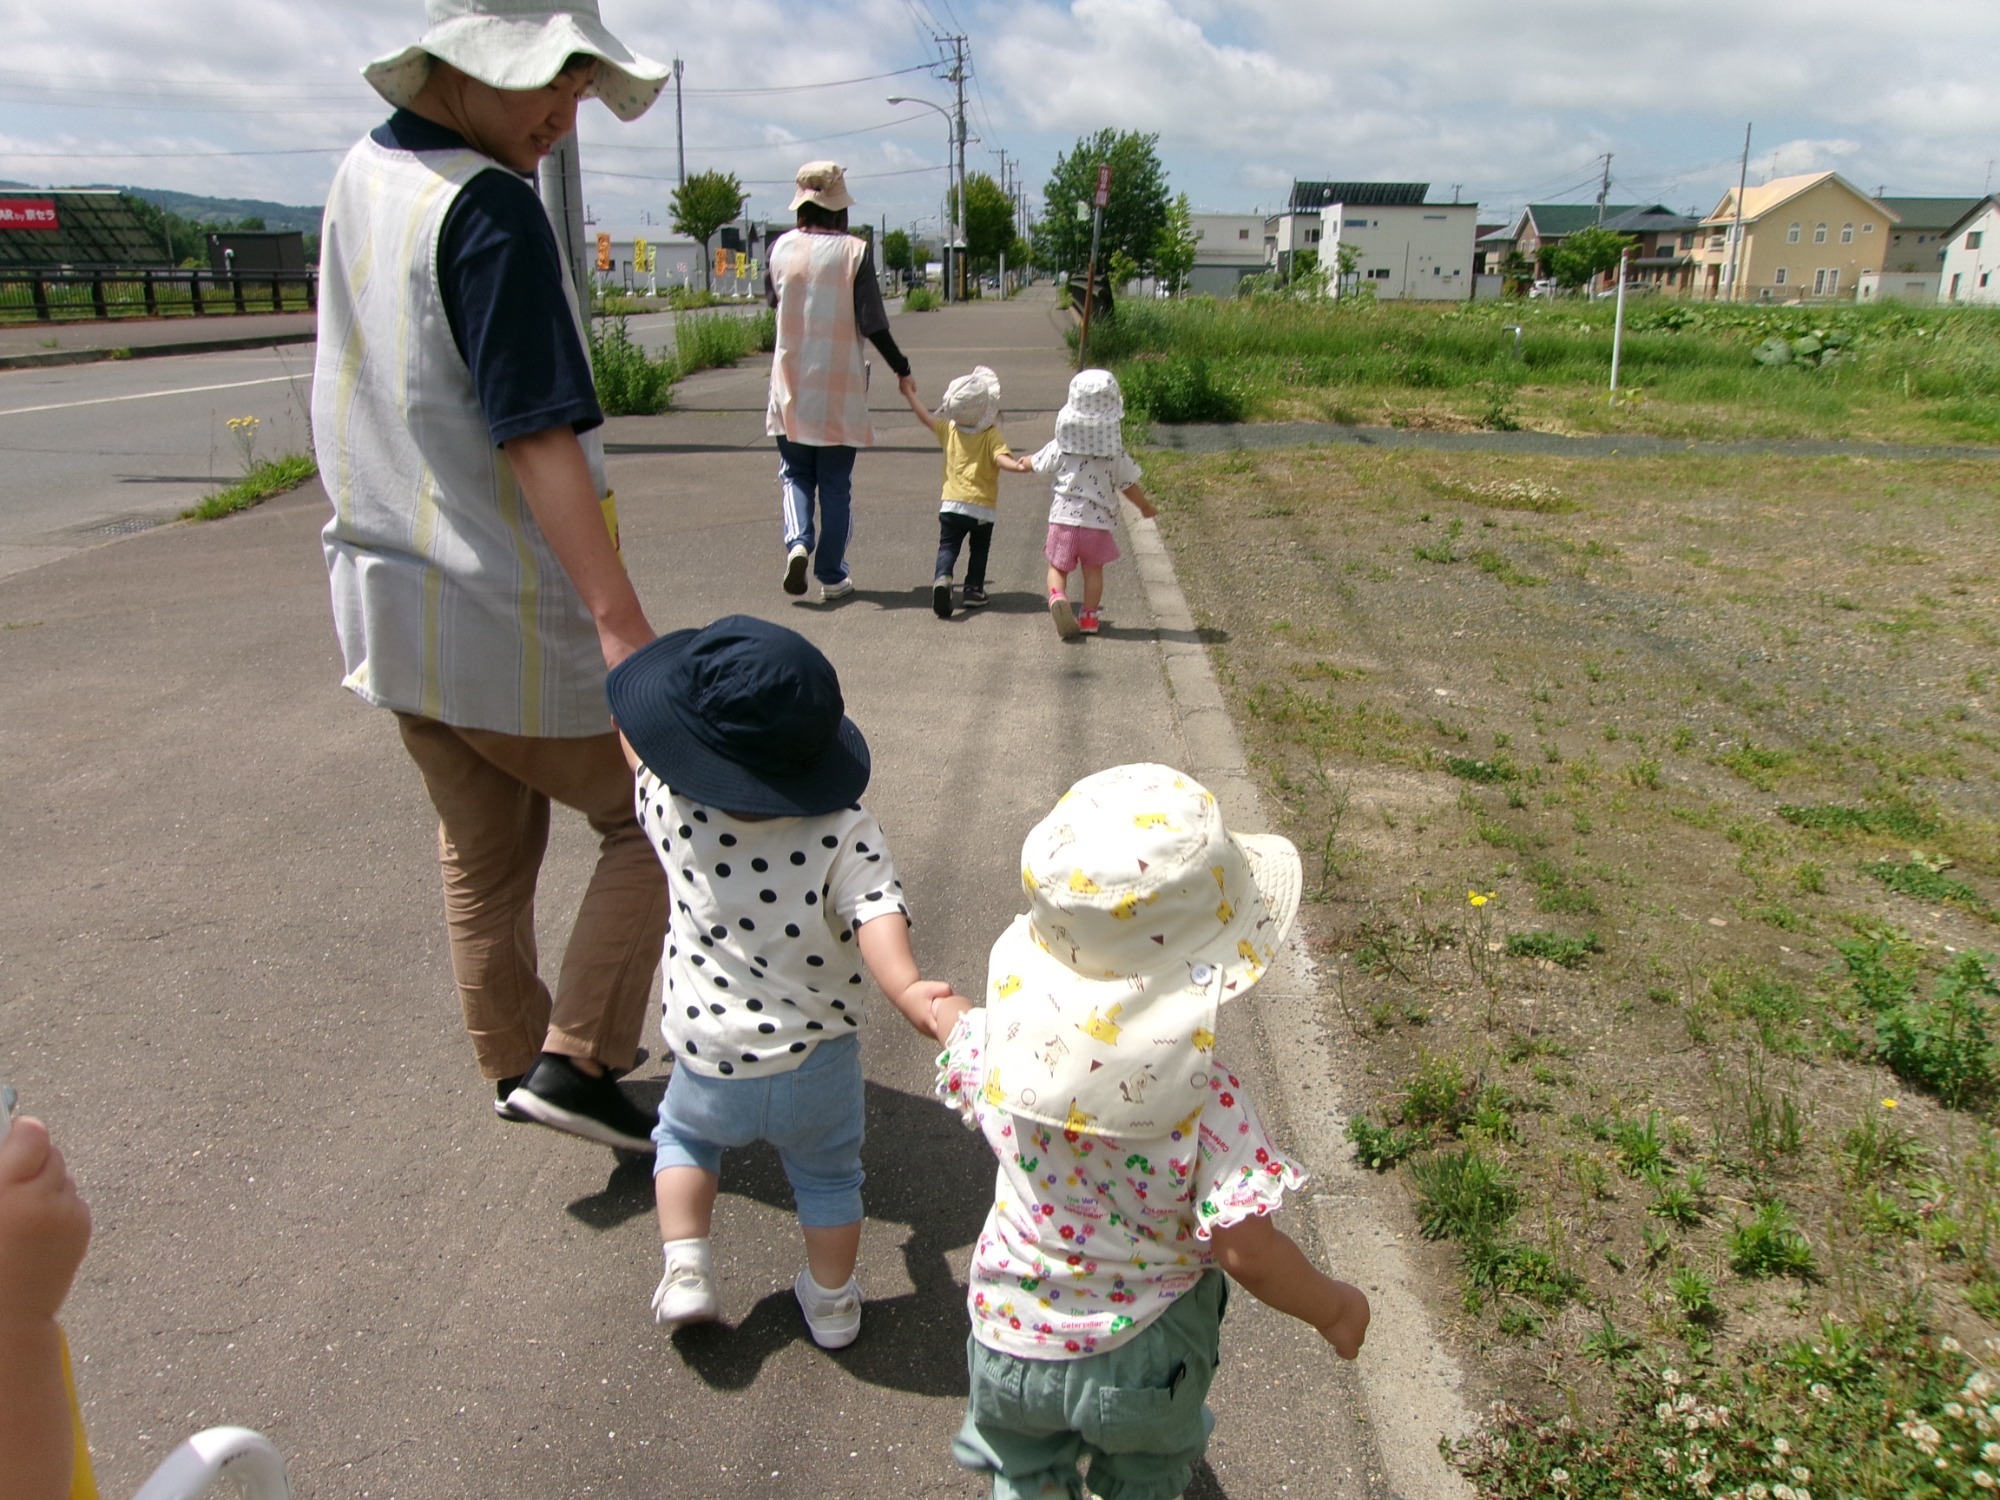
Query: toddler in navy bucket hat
pixel 782 891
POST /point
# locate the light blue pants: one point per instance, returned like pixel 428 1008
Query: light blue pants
pixel 813 1115
pixel 1138 1412
pixel 827 474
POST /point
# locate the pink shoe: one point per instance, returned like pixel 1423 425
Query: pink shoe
pixel 1064 616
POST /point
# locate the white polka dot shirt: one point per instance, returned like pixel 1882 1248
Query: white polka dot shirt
pixel 762 963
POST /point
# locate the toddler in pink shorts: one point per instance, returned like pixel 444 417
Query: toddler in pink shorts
pixel 1090 468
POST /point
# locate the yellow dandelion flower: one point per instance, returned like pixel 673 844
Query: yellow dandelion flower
pixel 1888 1103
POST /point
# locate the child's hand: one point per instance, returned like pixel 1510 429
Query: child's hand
pixel 922 1003
pixel 1348 1327
pixel 946 1011
pixel 1144 506
pixel 44 1224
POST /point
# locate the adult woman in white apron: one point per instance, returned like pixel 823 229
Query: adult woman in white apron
pixel 822 282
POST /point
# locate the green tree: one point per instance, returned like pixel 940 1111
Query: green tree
pixel 1134 216
pixel 896 251
pixel 702 205
pixel 1173 257
pixel 1585 254
pixel 1516 271
pixel 988 217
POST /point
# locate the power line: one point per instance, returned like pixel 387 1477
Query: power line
pixel 799 88
pixel 784 145
pixel 175 155
pixel 784 182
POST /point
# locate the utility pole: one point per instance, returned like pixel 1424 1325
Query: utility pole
pixel 1603 190
pixel 680 144
pixel 1736 228
pixel 560 181
pixel 958 78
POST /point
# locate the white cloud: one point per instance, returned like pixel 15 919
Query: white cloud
pixel 1511 101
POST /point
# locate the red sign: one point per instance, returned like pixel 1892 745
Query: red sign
pixel 1104 184
pixel 28 213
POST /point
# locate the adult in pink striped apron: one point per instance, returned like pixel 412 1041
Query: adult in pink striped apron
pixel 822 281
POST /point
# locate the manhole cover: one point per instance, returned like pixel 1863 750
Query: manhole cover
pixel 126 527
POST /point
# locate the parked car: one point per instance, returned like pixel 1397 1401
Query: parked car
pixel 1545 288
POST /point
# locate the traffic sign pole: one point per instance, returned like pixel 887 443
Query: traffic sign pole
pixel 1090 276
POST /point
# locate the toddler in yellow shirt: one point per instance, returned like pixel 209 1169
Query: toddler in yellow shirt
pixel 967 426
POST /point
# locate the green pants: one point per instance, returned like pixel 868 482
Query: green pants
pixel 1137 1412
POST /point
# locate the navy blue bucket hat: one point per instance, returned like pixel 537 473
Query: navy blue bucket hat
pixel 741 715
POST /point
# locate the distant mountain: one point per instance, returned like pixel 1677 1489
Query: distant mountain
pixel 208 210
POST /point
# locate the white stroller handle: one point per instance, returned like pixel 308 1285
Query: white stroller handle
pixel 234 1453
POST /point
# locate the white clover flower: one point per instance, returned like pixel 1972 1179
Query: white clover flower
pixel 1756 1492
pixel 1780 1447
pixel 1664 1411
pixel 1979 1386
pixel 1820 1392
pixel 1953 1410
pixel 1949 1344
pixel 1781 1492
pixel 1670 1377
pixel 1990 1453
pixel 1800 1473
pixel 1983 1479
pixel 1559 1477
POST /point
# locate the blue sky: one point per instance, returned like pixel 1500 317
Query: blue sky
pixel 1512 102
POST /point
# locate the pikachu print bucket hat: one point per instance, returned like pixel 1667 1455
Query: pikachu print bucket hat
pixel 1145 915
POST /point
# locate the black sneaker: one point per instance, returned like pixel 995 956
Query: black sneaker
pixel 501 1091
pixel 558 1094
pixel 941 596
pixel 974 596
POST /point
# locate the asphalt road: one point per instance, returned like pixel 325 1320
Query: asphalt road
pixel 90 451
pixel 223 980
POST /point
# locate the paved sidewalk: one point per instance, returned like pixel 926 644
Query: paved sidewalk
pixel 227 989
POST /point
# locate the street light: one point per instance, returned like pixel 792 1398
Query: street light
pixel 950 137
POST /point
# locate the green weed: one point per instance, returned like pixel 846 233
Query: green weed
pixel 1768 1243
pixel 1570 952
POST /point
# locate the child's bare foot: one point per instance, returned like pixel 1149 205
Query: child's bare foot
pixel 1349 1327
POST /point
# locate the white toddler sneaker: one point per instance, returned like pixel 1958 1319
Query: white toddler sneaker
pixel 686 1293
pixel 833 1317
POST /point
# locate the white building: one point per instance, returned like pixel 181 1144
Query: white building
pixel 1971 270
pixel 1416 252
pixel 1227 247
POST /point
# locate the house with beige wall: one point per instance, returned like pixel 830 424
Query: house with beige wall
pixel 1806 238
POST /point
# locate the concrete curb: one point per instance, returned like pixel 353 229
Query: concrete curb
pixel 1410 1382
pixel 42 359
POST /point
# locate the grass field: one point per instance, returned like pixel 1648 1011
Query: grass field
pixel 1652 835
pixel 1687 370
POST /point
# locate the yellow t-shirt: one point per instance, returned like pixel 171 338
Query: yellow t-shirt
pixel 82 1482
pixel 970 474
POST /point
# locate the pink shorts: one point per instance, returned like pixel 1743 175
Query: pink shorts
pixel 1071 546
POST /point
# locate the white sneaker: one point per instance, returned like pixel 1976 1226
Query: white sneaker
pixel 686 1293
pixel 839 590
pixel 795 569
pixel 833 1317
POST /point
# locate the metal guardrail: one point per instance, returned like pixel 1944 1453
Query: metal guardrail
pixel 47 296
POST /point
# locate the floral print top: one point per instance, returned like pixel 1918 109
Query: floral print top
pixel 1090 1238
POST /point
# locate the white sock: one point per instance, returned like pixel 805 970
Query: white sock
pixel 825 1292
pixel 693 1253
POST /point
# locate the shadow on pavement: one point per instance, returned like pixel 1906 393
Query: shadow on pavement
pixel 925 1170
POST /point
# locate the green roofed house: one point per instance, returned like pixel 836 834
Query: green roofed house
pixel 84 229
pixel 1912 267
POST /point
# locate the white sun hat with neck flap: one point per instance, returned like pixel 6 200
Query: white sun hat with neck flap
pixel 520 44
pixel 1145 916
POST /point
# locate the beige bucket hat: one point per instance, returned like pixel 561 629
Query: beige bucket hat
pixel 1145 915
pixel 972 401
pixel 519 44
pixel 824 183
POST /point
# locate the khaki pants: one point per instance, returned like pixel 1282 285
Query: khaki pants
pixel 492 793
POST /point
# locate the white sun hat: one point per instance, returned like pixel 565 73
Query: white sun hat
pixel 972 401
pixel 519 44
pixel 1091 422
pixel 1145 914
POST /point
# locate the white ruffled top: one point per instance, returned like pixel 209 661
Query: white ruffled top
pixel 1090 1238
